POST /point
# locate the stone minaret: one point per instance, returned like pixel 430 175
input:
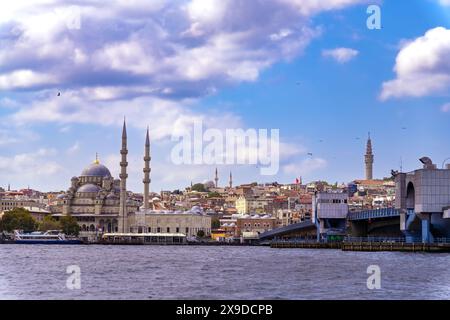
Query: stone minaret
pixel 123 216
pixel 231 181
pixel 216 179
pixel 369 160
pixel 147 170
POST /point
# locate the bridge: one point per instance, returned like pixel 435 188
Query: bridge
pixel 376 222
pixel 302 229
pixel 373 214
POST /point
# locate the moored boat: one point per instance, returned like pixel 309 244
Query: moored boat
pixel 48 237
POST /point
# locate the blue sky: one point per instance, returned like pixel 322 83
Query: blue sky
pixel 311 69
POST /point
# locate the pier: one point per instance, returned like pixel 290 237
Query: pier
pixel 370 244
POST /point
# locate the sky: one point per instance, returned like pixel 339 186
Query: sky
pixel 311 69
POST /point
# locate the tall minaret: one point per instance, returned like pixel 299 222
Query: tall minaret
pixel 231 181
pixel 123 216
pixel 147 170
pixel 216 179
pixel 369 160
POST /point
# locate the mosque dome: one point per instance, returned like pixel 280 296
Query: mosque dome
pixel 96 170
pixel 89 188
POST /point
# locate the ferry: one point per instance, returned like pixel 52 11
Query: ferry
pixel 48 237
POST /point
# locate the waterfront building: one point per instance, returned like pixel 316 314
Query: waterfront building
pixel 189 223
pixel 94 200
pixel 423 198
pixel 330 211
pixel 254 224
pixel 101 203
pixel 97 200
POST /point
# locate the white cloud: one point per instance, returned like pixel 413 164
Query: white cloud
pixel 20 79
pixel 30 164
pixel 341 55
pixel 308 7
pixel 179 47
pixel 163 116
pixel 422 67
pixel 304 167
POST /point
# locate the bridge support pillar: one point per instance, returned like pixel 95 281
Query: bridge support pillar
pixel 426 233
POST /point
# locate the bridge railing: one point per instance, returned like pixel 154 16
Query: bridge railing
pixel 375 239
pixel 408 239
pixel 300 240
pixel 441 240
pixel 373 214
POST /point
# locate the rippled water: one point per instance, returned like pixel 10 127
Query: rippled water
pixel 190 272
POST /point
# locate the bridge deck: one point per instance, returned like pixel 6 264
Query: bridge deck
pixel 286 230
pixel 373 214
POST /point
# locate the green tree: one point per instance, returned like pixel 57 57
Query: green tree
pixel 214 195
pixel 18 219
pixel 200 233
pixel 49 223
pixel 69 225
pixel 199 187
pixel 215 223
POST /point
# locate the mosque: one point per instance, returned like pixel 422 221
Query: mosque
pixel 101 203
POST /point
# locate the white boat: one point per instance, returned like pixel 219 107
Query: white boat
pixel 48 237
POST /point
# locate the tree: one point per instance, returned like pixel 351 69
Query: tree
pixel 200 233
pixel 18 219
pixel 49 223
pixel 69 225
pixel 215 223
pixel 214 195
pixel 199 187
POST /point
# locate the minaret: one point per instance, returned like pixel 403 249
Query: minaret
pixel 123 216
pixel 216 179
pixel 369 160
pixel 147 170
pixel 231 181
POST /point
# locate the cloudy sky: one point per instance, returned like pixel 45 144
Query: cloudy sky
pixel 309 68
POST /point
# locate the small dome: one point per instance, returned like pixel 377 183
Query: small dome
pixel 96 170
pixel 89 188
